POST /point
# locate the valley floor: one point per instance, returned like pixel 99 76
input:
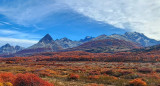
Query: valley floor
pixel 89 73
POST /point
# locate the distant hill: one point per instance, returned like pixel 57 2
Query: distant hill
pixel 109 45
pixel 128 36
pixel 149 54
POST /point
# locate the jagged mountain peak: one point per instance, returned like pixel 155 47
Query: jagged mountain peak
pixel 134 34
pixel 65 39
pixel 86 39
pixel 7 45
pixel 67 43
pixel 9 49
pixel 101 37
pixel 47 39
pixel 46 44
pixel 141 39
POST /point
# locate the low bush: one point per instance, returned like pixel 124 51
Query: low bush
pixel 145 70
pixel 1 84
pixel 137 82
pixel 131 76
pixel 93 77
pixel 108 72
pixel 7 77
pixel 29 80
pixel 94 84
pixel 7 84
pixel 158 70
pixel 73 76
pixel 94 73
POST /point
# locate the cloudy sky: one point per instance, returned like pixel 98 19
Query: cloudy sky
pixel 24 22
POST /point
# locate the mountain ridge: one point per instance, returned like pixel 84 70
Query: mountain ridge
pixel 110 45
pixel 47 44
pixel 137 37
pixel 8 49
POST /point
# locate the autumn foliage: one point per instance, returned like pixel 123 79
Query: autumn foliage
pixel 7 77
pixel 137 82
pixel 74 76
pixel 28 79
pixel 94 84
pixel 93 77
pixel 153 56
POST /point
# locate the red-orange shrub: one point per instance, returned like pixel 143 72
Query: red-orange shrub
pixel 7 77
pixel 94 84
pixel 29 80
pixel 74 76
pixel 94 77
pixel 94 73
pixel 137 82
pixel 1 80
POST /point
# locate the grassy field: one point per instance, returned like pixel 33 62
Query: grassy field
pixel 89 73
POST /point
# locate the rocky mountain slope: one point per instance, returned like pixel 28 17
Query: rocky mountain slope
pixel 67 43
pixel 136 37
pixel 46 44
pixel 110 45
pixel 102 43
pixel 8 49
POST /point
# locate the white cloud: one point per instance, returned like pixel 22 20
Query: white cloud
pixel 26 12
pixel 17 34
pixel 3 31
pixel 13 41
pixel 136 15
pixel 15 37
pixel 6 23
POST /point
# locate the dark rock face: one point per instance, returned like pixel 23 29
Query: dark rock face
pixel 46 39
pixel 47 42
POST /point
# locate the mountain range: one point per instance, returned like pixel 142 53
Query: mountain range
pixel 136 37
pixel 109 45
pixel 99 44
pixel 8 49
